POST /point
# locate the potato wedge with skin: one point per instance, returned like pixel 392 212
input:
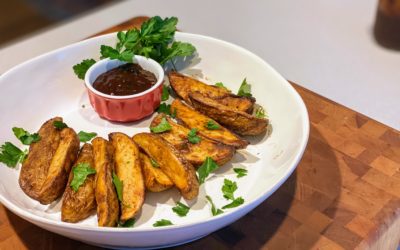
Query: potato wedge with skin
pixel 171 162
pixel 35 168
pixel 194 119
pixel 60 166
pixel 240 122
pixel 106 195
pixel 155 179
pixel 129 170
pixel 183 85
pixel 194 153
pixel 79 205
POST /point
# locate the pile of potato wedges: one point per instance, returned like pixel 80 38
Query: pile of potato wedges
pixel 144 162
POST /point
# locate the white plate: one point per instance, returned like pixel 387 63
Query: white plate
pixel 46 86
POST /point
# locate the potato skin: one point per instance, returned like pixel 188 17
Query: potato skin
pixel 34 169
pixel 240 122
pixel 194 119
pixel 155 179
pixel 129 170
pixel 197 153
pixel 171 162
pixel 105 193
pixel 79 205
pixel 184 85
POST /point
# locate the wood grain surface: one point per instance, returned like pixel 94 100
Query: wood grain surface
pixel 345 193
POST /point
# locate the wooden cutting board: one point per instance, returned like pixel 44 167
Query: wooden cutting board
pixel 344 194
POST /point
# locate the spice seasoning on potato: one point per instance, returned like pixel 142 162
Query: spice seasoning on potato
pixel 155 179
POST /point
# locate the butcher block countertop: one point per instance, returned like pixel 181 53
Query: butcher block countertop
pixel 344 194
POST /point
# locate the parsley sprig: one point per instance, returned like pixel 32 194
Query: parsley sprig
pixel 81 171
pixel 162 223
pixel 193 137
pixel 118 186
pixel 24 136
pixel 245 89
pixel 206 168
pixel 214 210
pixel 228 189
pixel 11 155
pixel 161 127
pixel 181 209
pixel 240 172
pixel 86 136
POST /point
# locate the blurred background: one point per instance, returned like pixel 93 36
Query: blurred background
pixel 19 18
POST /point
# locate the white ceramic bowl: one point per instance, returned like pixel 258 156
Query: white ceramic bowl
pixel 54 90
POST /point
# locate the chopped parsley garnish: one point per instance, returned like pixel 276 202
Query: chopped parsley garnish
pixel 245 89
pixel 181 209
pixel 240 172
pixel 228 189
pixel 86 136
pixel 24 136
pixel 11 155
pixel 164 108
pixel 161 127
pixel 206 168
pixel 260 112
pixel 235 203
pixel 212 125
pixel 154 163
pixel 154 39
pixel 80 69
pixel 215 211
pixel 118 186
pixel 80 171
pixel 165 93
pixel 59 125
pixel 162 223
pixel 128 223
pixel 193 137
pixel 221 85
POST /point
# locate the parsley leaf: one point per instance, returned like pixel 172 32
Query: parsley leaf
pixel 235 203
pixel 260 112
pixel 240 172
pixel 86 136
pixel 24 136
pixel 161 127
pixel 181 209
pixel 164 108
pixel 81 68
pixel 59 125
pixel 165 93
pixel 162 223
pixel 11 155
pixel 228 189
pixel 211 125
pixel 215 211
pixel 221 85
pixel 206 168
pixel 81 171
pixel 245 89
pixel 154 163
pixel 118 186
pixel 177 49
pixel 128 223
pixel 192 136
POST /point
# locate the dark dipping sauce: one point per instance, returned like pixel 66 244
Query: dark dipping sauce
pixel 127 79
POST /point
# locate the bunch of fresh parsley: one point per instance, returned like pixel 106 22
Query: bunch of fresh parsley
pixel 155 39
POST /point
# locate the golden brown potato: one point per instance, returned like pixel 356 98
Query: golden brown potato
pixel 194 153
pixel 193 119
pixel 35 168
pixel 106 195
pixel 60 166
pixel 183 85
pixel 129 170
pixel 79 205
pixel 171 162
pixel 155 179
pixel 240 122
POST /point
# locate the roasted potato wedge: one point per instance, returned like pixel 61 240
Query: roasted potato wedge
pixel 79 205
pixel 106 195
pixel 155 179
pixel 238 121
pixel 194 153
pixel 60 166
pixel 183 85
pixel 129 170
pixel 35 168
pixel 193 119
pixel 171 162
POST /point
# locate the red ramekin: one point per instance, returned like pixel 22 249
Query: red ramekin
pixel 125 108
